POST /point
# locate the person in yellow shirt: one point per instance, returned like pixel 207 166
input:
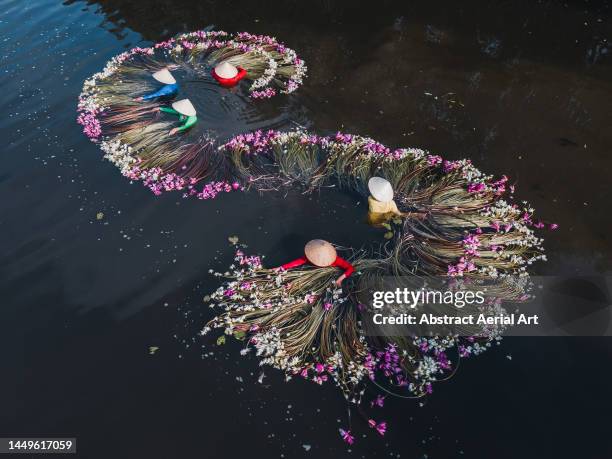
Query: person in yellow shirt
pixel 381 206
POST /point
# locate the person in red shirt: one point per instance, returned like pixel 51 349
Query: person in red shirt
pixel 228 75
pixel 322 254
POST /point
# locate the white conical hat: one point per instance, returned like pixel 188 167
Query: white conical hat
pixel 320 253
pixel 380 189
pixel 226 70
pixel 164 76
pixel 184 107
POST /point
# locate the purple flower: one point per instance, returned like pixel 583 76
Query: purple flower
pixel 471 244
pixel 265 94
pixel 376 148
pixel 380 427
pixel 291 86
pixel 476 187
pixel 91 124
pixel 145 51
pixel 165 44
pixel 434 160
pixel 212 189
pixel 449 166
pixel 462 266
pixel 343 138
pixel 347 436
pixel 500 185
pixel 252 142
pixel 379 401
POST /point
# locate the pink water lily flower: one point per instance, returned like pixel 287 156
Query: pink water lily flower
pixel 310 298
pixel 476 187
pixel 380 427
pixel 378 401
pixel 347 436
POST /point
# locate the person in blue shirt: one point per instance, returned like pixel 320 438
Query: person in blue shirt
pixel 168 90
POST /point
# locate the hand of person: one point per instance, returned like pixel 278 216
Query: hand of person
pixel 172 67
pixel 173 131
pixel 340 279
pixel 155 109
pixel 138 99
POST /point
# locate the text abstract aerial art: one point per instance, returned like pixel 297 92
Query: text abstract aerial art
pixel 441 218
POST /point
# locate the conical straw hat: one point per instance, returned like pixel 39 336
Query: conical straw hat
pixel 380 189
pixel 184 107
pixel 320 253
pixel 226 70
pixel 164 76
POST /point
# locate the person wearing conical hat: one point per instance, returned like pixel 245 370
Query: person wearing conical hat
pixel 185 111
pixel 322 254
pixel 381 206
pixel 228 75
pixel 169 89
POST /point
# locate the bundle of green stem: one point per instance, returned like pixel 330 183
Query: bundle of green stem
pixel 129 80
pixel 128 129
pixel 456 220
pixel 298 321
pixel 270 65
pixel 455 223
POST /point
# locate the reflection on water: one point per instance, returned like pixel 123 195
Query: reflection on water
pixel 523 89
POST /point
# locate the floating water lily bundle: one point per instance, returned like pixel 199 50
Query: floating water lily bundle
pixel 456 222
pixel 128 129
pixel 298 321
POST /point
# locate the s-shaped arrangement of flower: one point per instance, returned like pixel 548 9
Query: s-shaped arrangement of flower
pixel 441 218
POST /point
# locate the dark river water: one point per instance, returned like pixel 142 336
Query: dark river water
pixel 523 88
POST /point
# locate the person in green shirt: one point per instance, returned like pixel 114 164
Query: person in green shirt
pixel 186 112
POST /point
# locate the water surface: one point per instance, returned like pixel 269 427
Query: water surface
pixel 522 88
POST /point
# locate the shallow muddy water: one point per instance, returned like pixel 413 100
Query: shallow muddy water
pixel 522 88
